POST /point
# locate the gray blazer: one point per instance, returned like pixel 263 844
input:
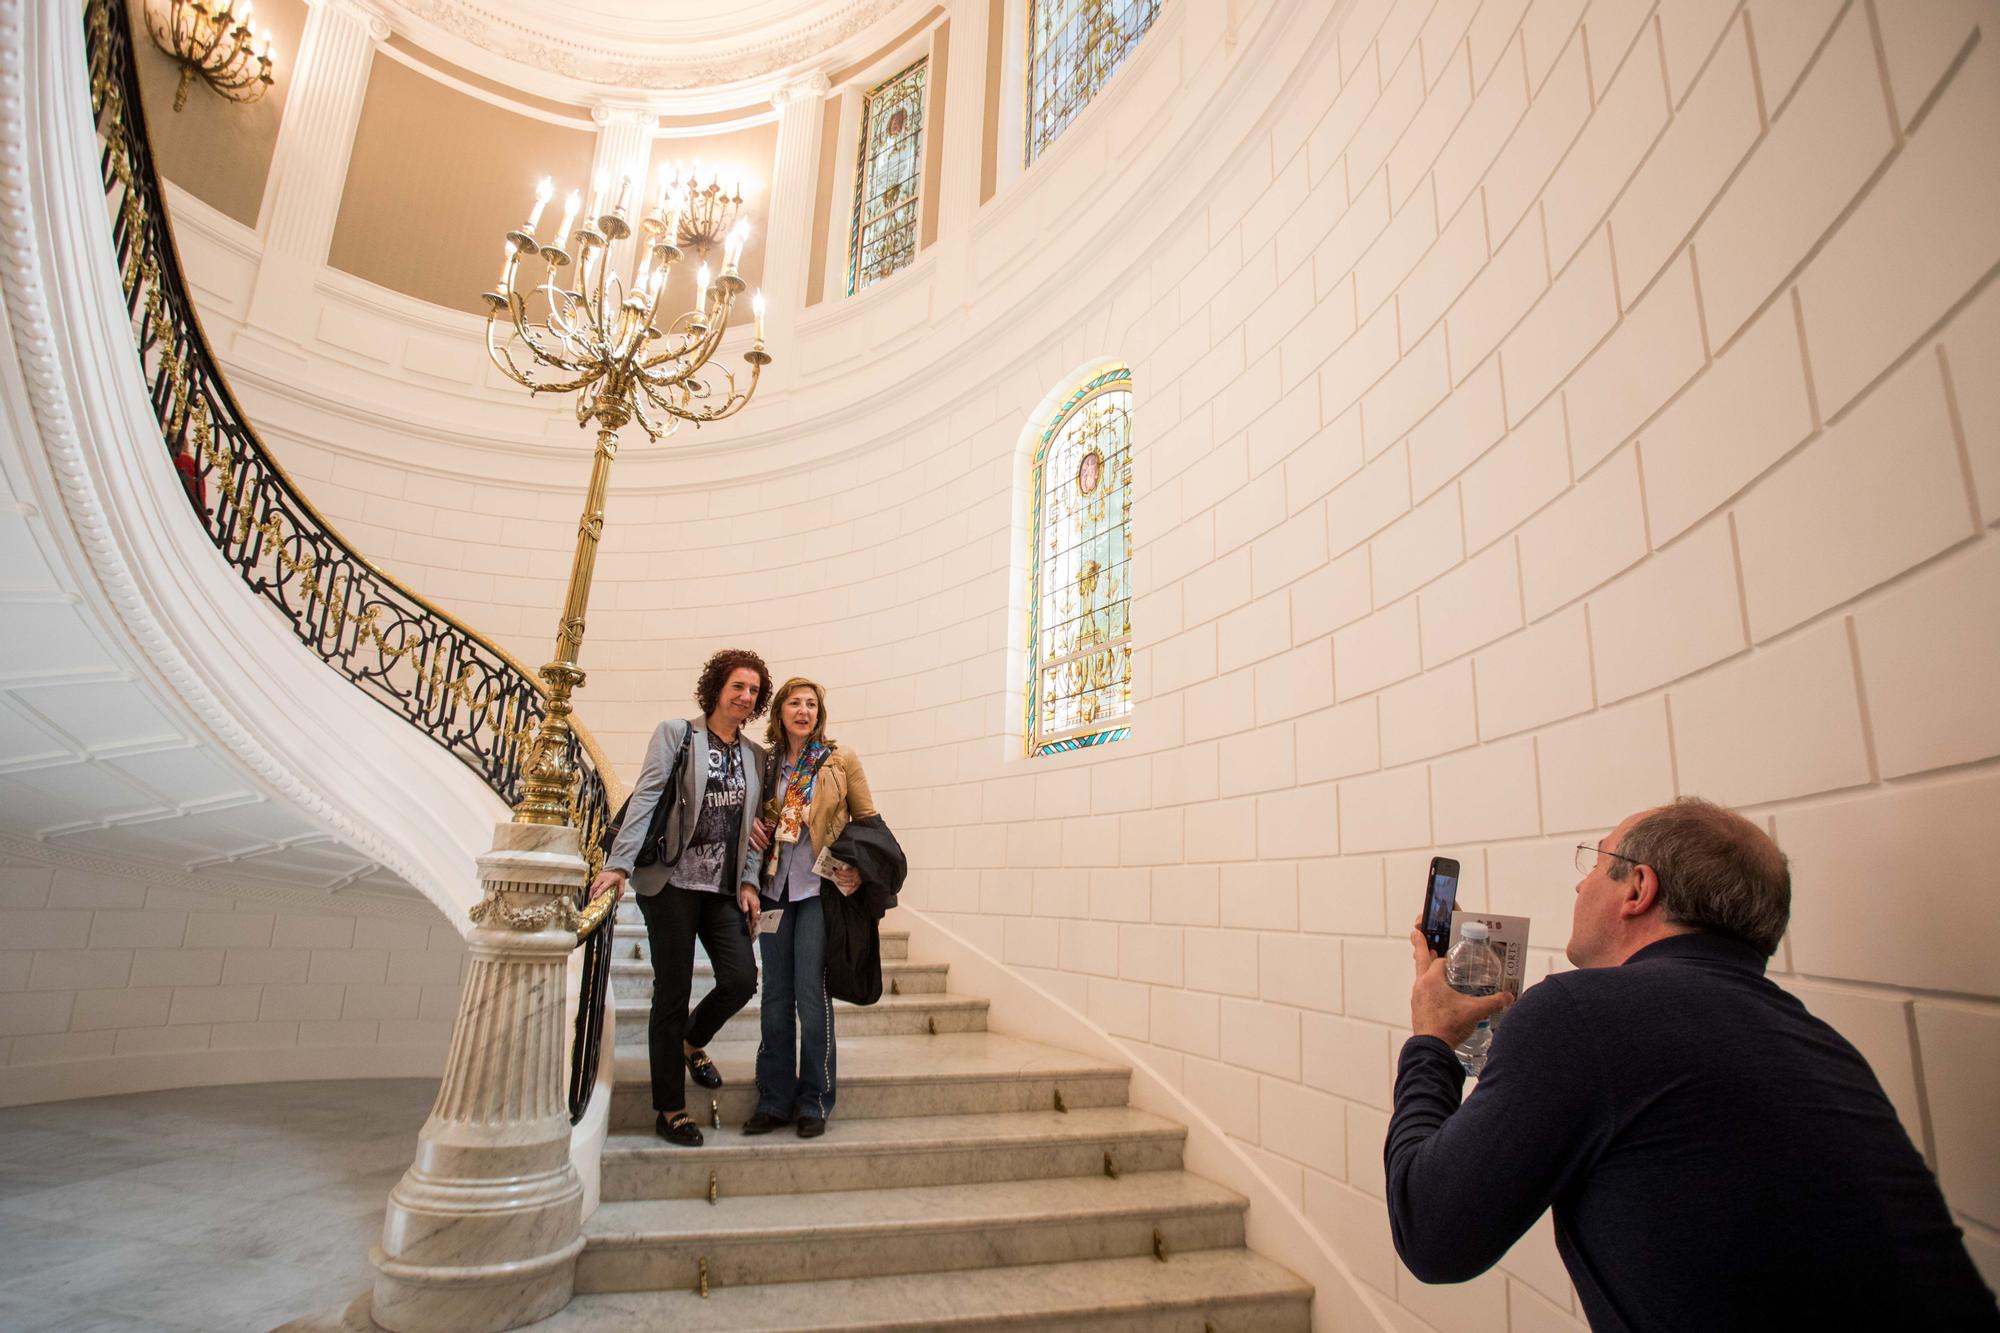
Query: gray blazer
pixel 679 830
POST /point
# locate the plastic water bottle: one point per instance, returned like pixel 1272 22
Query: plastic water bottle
pixel 1473 968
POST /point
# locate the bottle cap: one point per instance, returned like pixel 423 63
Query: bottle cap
pixel 1473 930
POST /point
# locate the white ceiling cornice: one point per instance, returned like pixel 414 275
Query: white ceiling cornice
pixel 711 56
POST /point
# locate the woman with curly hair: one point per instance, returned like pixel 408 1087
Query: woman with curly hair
pixel 702 877
pixel 819 786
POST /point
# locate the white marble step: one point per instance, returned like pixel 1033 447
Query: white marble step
pixel 964 1073
pixel 772 1238
pixel 1207 1291
pixel 630 942
pixel 892 1015
pixel 633 978
pixel 923 1150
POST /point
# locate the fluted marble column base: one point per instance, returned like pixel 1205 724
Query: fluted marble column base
pixel 483 1232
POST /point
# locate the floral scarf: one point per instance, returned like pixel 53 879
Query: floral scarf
pixel 797 799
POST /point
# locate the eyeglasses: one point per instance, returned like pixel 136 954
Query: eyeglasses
pixel 1586 857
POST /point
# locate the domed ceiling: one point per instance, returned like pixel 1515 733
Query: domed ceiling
pixel 586 46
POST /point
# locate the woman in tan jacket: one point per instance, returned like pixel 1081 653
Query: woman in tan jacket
pixel 816 788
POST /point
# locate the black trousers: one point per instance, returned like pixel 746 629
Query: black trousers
pixel 674 917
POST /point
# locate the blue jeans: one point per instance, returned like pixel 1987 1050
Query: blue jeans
pixel 795 1057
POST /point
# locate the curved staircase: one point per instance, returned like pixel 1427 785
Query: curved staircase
pixel 968 1180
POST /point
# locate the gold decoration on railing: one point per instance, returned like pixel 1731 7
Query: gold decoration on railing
pixel 605 339
pixel 212 40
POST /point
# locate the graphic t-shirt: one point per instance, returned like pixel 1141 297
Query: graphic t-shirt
pixel 708 864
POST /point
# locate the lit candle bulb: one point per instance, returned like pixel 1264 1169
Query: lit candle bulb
pixel 757 309
pixel 570 205
pixel 222 10
pixel 732 250
pixel 701 294
pixel 597 197
pixel 243 19
pixel 643 277
pixel 265 54
pixel 542 193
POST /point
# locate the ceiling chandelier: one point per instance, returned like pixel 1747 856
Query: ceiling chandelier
pixel 208 38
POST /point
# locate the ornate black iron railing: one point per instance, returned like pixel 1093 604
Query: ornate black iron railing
pixel 458 687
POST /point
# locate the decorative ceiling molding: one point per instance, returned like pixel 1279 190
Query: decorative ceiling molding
pixel 318 901
pixel 631 46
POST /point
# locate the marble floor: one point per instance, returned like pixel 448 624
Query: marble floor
pixel 198 1209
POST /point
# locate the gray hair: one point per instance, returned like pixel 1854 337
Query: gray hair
pixel 1718 871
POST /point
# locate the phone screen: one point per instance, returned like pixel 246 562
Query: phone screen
pixel 1440 896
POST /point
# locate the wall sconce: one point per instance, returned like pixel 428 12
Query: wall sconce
pixel 207 39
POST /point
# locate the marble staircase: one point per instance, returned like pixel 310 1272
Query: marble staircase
pixel 968 1180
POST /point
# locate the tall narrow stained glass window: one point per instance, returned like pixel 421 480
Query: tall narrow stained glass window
pixel 1080 580
pixel 886 183
pixel 1074 47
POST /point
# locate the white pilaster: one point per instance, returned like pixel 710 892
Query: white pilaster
pixel 309 164
pixel 624 148
pixel 787 250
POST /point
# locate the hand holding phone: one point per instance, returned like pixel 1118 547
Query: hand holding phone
pixel 1440 898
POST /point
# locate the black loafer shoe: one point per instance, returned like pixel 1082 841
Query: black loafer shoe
pixel 763 1123
pixel 681 1130
pixel 702 1070
pixel 811 1127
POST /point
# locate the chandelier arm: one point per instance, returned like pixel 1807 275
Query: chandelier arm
pixel 683 345
pixel 736 398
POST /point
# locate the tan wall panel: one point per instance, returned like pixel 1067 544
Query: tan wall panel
pixel 753 153
pixel 432 60
pixel 934 131
pixel 436 179
pixel 216 150
pixel 989 138
pixel 829 149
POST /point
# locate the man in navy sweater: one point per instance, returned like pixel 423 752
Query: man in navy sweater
pixel 1717 1158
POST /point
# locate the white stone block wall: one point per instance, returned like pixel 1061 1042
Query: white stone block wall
pixel 1545 407
pixel 114 983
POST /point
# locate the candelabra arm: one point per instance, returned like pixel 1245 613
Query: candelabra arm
pixel 548 776
pixel 693 356
pixel 735 400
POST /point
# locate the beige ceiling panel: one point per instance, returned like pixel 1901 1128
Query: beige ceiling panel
pixel 436 179
pixel 189 776
pixel 26 743
pixel 216 150
pixel 101 715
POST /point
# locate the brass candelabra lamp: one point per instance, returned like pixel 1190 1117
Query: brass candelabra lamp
pixel 210 40
pixel 603 337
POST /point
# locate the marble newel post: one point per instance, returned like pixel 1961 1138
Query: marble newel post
pixel 483 1231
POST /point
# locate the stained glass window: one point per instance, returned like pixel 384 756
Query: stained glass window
pixel 1080 582
pixel 884 235
pixel 1074 47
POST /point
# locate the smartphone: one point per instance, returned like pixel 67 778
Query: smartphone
pixel 1440 896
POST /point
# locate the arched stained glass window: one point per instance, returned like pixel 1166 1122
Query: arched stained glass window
pixel 1074 47
pixel 1080 570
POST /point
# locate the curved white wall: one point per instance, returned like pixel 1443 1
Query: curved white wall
pixel 1543 408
